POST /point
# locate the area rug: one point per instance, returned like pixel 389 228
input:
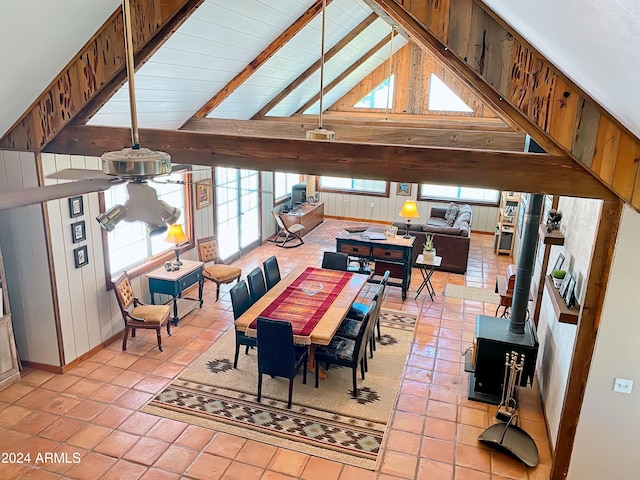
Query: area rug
pixel 471 293
pixel 326 422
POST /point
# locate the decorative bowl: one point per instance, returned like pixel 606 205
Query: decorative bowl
pixel 311 288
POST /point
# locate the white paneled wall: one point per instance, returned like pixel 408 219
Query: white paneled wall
pixel 385 209
pixel 25 255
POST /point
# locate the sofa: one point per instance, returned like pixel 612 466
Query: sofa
pixel 451 229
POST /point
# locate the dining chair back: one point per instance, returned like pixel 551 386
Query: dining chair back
pixel 277 354
pixel 257 286
pixel 335 261
pixel 215 269
pixel 138 315
pixel 241 302
pixel 271 271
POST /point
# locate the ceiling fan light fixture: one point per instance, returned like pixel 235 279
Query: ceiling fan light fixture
pixel 109 219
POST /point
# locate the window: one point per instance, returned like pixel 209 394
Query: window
pixel 282 183
pixel 354 185
pixel 448 192
pixel 443 99
pixel 379 97
pixel 129 243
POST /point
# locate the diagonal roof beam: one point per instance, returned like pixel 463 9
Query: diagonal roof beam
pixel 370 53
pixel 313 68
pixel 525 172
pixel 96 72
pixel 262 57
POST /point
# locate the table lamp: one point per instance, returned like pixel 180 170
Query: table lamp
pixel 409 211
pixel 176 235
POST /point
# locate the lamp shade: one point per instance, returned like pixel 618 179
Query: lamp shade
pixel 176 234
pixel 409 209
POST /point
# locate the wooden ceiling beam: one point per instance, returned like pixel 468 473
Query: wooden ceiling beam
pixel 524 172
pixel 361 27
pixel 96 72
pixel 382 133
pixel 260 60
pixel 370 53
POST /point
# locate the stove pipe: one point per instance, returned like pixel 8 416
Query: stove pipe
pixel 524 269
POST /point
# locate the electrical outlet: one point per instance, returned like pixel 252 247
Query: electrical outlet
pixel 371 204
pixel 346 203
pixel 622 385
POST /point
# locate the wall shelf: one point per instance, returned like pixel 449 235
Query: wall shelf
pixel 564 313
pixel 554 238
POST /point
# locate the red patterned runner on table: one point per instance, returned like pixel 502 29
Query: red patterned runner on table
pixel 301 310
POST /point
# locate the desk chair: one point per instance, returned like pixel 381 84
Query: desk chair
pixel 217 272
pixel 138 315
pixel 286 234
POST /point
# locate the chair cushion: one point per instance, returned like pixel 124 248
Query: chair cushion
pixel 349 328
pixel 222 273
pixel 340 347
pixel 152 314
pixel 452 213
pixel 295 228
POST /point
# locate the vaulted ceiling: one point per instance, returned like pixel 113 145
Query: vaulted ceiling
pixel 227 76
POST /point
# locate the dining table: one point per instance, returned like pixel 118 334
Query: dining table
pixel 314 315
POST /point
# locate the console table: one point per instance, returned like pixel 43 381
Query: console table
pixel 174 283
pixel 392 253
pixel 309 215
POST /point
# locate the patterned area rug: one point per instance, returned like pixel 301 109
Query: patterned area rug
pixel 471 293
pixel 326 422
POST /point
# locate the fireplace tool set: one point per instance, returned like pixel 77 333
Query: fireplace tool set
pixel 509 437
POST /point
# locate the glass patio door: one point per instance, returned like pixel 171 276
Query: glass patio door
pixel 237 211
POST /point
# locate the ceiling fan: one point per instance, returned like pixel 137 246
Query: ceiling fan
pixel 134 165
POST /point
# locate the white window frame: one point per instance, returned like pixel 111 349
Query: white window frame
pixel 353 185
pixel 458 193
pixel 282 183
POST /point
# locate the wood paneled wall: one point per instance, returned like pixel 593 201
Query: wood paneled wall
pixel 545 97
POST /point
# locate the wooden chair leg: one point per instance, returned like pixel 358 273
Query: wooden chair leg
pixel 290 392
pixel 354 371
pixel 259 386
pixel 304 373
pixel 235 358
pixel 317 373
pixel 133 332
pixel 217 291
pixel 168 328
pixel 124 338
pixel 159 338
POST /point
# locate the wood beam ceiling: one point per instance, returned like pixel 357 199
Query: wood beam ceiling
pixel 525 172
pixel 327 88
pixel 361 27
pixel 96 71
pixel 262 57
pixel 383 133
pixel 522 84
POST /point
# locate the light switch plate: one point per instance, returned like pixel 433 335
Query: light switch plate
pixel 622 385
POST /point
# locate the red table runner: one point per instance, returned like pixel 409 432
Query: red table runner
pixel 301 310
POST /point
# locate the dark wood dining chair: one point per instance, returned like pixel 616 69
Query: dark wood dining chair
pixel 335 261
pixel 216 270
pixel 271 271
pixel 138 315
pixel 257 285
pixel 240 302
pixel 347 352
pixel 277 354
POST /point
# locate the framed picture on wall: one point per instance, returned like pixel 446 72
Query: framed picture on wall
pixel 78 232
pixel 80 256
pixel 76 207
pixel 564 286
pixel 403 189
pixel 203 193
pixel 570 296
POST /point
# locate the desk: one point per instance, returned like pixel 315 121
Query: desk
pixel 427 267
pixel 308 215
pixel 393 254
pixel 328 324
pixel 174 283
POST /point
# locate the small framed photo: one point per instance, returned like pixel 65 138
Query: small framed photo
pixel 390 231
pixel 78 232
pixel 203 193
pixel 565 284
pixel 559 262
pixel 76 207
pixel 403 189
pixel 570 296
pixel 80 256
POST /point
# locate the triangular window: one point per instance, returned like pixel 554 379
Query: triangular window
pixel 379 96
pixel 442 98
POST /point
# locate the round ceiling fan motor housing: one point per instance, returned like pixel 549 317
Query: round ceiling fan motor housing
pixel 140 163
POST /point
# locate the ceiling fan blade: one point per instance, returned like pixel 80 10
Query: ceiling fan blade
pixel 29 196
pixel 80 174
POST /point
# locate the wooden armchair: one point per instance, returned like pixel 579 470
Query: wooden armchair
pixel 138 315
pixel 217 272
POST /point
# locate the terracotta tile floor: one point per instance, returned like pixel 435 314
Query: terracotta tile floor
pixel 93 410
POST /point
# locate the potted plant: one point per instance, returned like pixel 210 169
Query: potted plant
pixel 558 276
pixel 428 250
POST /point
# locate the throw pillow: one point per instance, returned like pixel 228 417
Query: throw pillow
pixel 451 213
